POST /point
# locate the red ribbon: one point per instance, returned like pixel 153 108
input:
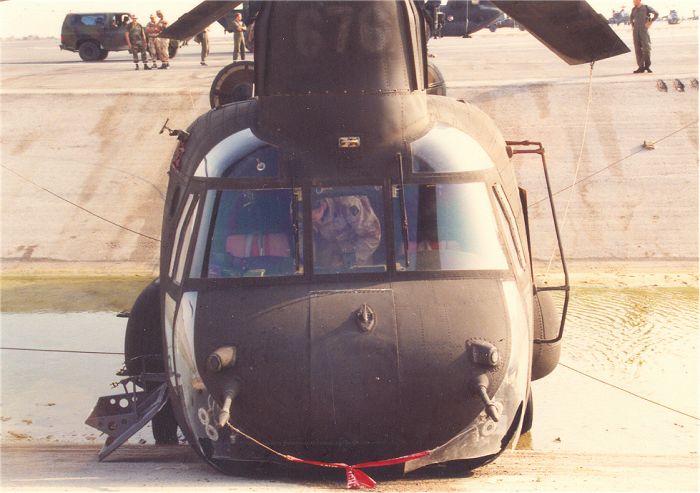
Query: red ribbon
pixel 354 476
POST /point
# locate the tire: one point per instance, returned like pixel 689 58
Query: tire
pixel 89 51
pixel 103 54
pixel 172 48
pixel 164 426
pixel 143 352
pixel 527 417
pixel 233 83
pixel 492 28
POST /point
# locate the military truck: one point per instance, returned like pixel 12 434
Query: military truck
pixel 94 35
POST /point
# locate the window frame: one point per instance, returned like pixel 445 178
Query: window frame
pixel 514 231
pixel 397 234
pixel 385 220
pixel 187 215
pixel 217 193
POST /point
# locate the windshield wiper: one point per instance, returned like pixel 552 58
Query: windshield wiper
pixel 402 203
pixel 295 227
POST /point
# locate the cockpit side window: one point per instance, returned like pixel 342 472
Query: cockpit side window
pixel 445 149
pixel 450 227
pixel 254 233
pixel 259 163
pixel 240 155
pixel 348 225
pixel 505 213
pixel 182 237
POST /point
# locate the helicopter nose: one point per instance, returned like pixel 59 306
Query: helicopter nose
pixel 354 387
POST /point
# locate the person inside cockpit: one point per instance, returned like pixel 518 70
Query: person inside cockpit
pixel 346 230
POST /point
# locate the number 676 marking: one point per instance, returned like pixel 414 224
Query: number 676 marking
pixel 371 23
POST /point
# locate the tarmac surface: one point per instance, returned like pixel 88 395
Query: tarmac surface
pixel 176 468
pixel 87 133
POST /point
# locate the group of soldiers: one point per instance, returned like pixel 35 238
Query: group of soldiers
pixel 142 40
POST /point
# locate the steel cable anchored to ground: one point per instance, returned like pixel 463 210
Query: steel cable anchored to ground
pixel 641 149
pixel 88 211
pixel 69 351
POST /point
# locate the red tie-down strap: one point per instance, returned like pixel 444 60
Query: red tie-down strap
pixel 354 476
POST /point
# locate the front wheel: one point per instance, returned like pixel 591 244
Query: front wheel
pixel 143 353
pixel 233 83
pixel 89 51
pixel 103 54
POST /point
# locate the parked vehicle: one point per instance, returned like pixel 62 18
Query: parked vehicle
pixel 94 35
pixel 673 17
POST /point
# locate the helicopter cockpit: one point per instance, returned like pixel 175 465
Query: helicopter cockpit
pixel 253 221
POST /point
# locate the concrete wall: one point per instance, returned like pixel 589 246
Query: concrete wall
pixel 89 133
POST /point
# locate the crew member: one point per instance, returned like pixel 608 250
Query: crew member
pixel 203 38
pixel 239 30
pixel 152 32
pixel 641 18
pixel 136 40
pixel 347 232
pixel 162 43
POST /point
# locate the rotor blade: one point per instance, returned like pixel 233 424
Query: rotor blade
pixel 198 18
pixel 571 29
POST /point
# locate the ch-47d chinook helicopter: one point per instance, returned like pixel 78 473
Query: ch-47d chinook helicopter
pixel 345 267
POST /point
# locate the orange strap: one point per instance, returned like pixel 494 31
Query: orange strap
pixel 355 478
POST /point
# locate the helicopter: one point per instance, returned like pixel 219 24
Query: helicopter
pixel 345 270
pixel 460 17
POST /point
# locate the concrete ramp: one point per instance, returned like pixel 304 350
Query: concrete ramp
pixel 87 133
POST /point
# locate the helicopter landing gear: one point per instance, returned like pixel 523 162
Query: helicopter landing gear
pixel 143 352
pixel 233 83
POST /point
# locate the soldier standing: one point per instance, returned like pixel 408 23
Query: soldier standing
pixel 152 32
pixel 162 43
pixel 136 40
pixel 641 18
pixel 204 41
pixel 239 30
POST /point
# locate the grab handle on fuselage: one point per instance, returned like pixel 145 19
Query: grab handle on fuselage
pixel 537 148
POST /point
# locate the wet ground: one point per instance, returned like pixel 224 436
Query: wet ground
pixel 642 340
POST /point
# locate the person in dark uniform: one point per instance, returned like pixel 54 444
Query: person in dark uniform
pixel 203 39
pixel 641 18
pixel 239 30
pixel 136 40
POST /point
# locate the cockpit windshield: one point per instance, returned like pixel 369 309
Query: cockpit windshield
pixel 347 229
pixel 253 233
pixel 449 226
pixel 260 232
